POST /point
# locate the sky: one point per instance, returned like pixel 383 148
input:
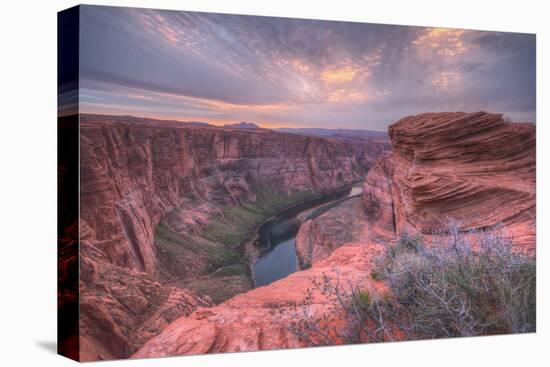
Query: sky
pixel 277 72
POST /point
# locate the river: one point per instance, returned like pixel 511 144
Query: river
pixel 277 236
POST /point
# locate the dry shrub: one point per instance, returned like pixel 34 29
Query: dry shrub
pixel 472 283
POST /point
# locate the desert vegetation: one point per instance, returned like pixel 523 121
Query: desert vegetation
pixel 469 283
pixel 238 221
pixel 216 253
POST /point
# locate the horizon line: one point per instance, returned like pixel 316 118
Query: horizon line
pixel 214 124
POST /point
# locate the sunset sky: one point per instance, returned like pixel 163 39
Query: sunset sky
pixel 294 72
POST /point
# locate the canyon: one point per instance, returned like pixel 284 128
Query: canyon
pixel 169 213
pixel 475 168
pixel 166 210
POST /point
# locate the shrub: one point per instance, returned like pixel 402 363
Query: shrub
pixel 364 298
pixel 360 309
pixel 375 275
pixel 473 283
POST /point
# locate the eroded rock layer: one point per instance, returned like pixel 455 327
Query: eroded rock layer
pixel 319 237
pixel 120 307
pixel 472 167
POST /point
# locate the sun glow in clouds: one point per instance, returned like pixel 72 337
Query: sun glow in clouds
pixel 444 42
pixel 338 75
pixel 347 96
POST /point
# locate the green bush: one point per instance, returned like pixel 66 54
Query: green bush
pixel 364 298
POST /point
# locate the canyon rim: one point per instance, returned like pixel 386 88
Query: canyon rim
pixel 233 183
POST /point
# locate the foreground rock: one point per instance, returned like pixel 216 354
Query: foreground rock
pixel 260 319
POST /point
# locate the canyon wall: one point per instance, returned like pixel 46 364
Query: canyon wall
pixel 475 168
pixel 318 238
pixel 164 205
pixel 134 171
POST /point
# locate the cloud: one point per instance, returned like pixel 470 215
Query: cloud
pixel 338 75
pixel 441 42
pixel 444 80
pixel 294 71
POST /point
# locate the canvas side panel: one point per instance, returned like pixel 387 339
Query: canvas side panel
pixel 67 184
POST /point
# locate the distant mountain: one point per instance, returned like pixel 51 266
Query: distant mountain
pixel 242 125
pixel 197 123
pixel 347 133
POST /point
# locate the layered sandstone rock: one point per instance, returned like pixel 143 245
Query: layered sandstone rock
pixel 121 308
pixel 319 237
pixel 472 167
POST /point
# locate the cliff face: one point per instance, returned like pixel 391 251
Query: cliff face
pixel 133 172
pixel 319 237
pixel 162 202
pixel 120 307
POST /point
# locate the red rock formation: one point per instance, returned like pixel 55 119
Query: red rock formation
pixel 136 172
pixel 121 308
pixel 319 237
pixel 377 197
pixel 473 167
